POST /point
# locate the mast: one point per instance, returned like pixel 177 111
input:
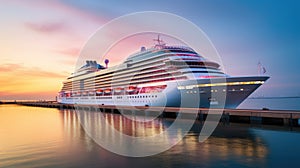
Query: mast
pixel 160 43
pixel 261 69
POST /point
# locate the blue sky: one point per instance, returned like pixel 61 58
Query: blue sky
pixel 244 33
pixel 45 36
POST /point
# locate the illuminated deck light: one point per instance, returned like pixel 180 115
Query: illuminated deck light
pixel 220 84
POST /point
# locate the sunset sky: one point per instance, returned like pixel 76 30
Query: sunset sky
pixel 40 40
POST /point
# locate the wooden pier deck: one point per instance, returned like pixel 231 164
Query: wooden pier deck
pixel 273 117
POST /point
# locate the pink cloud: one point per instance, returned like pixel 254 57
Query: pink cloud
pixel 58 6
pixel 74 52
pixel 46 27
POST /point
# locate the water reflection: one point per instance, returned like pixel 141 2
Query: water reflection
pixel 140 126
pixel 121 135
pixel 227 144
pixel 41 137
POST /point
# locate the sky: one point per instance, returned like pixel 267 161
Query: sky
pixel 41 40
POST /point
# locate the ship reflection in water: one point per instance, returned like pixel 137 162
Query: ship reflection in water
pixel 42 137
pixel 232 146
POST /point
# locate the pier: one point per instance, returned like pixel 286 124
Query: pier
pixel 251 116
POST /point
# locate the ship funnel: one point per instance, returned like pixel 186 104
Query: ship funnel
pixel 106 62
pixel 143 48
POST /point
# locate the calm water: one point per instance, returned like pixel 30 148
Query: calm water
pixel 43 137
pixel 273 103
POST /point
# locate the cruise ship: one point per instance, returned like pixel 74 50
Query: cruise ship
pixel 159 76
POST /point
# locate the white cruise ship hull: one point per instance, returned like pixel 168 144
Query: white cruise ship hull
pixel 226 92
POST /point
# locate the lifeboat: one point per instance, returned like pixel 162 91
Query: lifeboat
pixel 118 90
pixel 85 93
pixel 78 93
pixel 92 92
pixel 107 91
pixel 68 94
pixel 99 91
pixel 131 89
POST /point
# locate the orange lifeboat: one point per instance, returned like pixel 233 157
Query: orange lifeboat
pixel 107 91
pixel 118 90
pixel 131 89
pixel 99 91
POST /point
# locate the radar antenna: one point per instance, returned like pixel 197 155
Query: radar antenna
pixel 160 43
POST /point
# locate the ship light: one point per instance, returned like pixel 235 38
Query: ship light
pixel 207 77
pixel 220 84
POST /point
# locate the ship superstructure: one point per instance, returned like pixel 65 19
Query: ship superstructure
pixel 156 77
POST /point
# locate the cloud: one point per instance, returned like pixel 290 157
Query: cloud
pixel 46 27
pixel 9 67
pixel 74 52
pixel 47 95
pixel 60 7
pixel 21 82
pixel 17 70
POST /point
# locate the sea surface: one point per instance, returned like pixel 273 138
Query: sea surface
pixel 275 103
pixel 44 137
